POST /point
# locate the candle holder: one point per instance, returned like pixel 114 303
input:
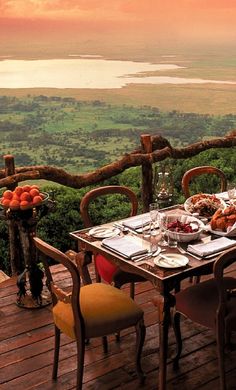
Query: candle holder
pixel 163 188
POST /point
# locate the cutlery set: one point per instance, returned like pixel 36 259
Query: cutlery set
pixel 150 254
pixel 183 251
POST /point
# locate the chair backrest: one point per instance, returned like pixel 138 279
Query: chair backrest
pixel 48 252
pixel 106 190
pixel 197 171
pixel 224 261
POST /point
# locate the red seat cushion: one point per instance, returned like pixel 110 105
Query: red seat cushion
pixel 105 268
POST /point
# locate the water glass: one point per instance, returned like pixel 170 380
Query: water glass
pixel 153 211
pixel 172 243
pixel 146 228
pixel 162 219
pixel 231 192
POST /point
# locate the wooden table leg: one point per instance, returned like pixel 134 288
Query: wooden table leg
pixel 163 304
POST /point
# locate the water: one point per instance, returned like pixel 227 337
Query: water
pixel 86 72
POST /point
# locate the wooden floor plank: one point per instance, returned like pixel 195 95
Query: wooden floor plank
pixel 27 342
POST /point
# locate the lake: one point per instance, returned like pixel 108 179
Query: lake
pixel 92 72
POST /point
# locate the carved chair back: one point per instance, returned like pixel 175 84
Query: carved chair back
pixel 197 171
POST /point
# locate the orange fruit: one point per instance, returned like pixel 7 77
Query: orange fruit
pixel 33 192
pixel 15 196
pixel 26 196
pixel 35 186
pixel 37 200
pixel 26 188
pixel 6 202
pixel 18 190
pixel 14 204
pixel 24 204
pixel 8 194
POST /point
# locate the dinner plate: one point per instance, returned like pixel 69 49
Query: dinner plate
pixel 188 204
pixel 171 260
pixel 100 232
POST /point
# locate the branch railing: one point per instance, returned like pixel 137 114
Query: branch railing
pixel 153 149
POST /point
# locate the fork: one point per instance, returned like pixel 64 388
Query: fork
pixel 183 251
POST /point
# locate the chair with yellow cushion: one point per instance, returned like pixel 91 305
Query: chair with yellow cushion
pixel 107 271
pixel 89 311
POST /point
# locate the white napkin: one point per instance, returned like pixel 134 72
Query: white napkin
pixel 125 246
pixel 137 222
pixel 213 246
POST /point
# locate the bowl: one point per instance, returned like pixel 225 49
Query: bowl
pixel 179 236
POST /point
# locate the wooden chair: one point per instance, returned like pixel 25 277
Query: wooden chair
pixel 211 303
pixel 89 311
pixel 105 270
pixel 197 171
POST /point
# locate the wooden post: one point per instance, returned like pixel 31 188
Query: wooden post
pixel 16 259
pixel 146 144
pixel 10 169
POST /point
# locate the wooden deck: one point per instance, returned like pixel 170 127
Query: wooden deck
pixel 26 351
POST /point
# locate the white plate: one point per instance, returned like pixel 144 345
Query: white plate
pixel 100 232
pixel 174 261
pixel 231 233
pixel 188 204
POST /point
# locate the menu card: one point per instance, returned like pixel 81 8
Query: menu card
pixel 125 246
pixel 211 247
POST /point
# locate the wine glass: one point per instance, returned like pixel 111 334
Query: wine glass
pixel 162 219
pixel 153 211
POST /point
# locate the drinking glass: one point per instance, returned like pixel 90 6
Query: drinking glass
pixel 231 192
pixel 146 228
pixel 162 219
pixel 153 211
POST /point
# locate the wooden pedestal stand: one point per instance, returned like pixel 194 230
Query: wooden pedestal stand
pixel 32 293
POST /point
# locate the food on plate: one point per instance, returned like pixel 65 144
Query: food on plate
pixel 180 227
pixel 22 197
pixel 204 204
pixel 223 219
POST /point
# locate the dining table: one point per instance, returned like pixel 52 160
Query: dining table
pixel 166 280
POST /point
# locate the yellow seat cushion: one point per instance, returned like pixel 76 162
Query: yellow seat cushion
pixel 105 310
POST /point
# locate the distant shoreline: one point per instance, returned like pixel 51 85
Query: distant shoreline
pixel 200 99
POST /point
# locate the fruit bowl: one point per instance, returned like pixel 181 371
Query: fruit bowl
pixel 183 228
pixel 23 198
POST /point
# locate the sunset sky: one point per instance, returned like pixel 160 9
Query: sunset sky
pixel 178 21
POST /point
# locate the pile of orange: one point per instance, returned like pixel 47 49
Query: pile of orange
pixel 22 197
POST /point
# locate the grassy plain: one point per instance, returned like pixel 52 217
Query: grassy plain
pixel 83 136
pixel 214 99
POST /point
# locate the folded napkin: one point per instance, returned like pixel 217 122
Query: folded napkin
pixel 125 246
pixel 137 221
pixel 213 246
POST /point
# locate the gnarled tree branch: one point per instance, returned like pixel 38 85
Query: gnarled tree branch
pixel 161 150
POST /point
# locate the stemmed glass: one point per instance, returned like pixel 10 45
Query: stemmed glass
pixel 153 211
pixel 162 219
